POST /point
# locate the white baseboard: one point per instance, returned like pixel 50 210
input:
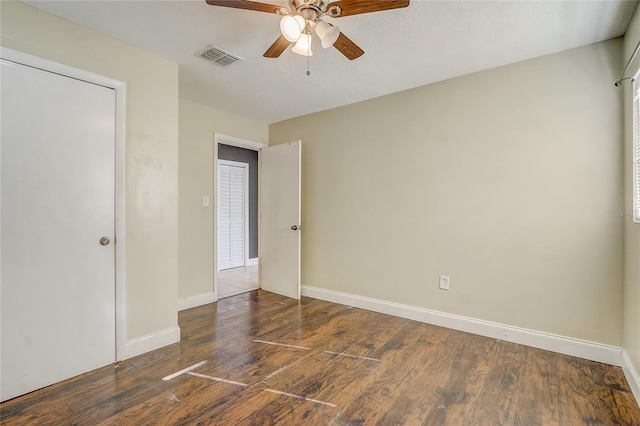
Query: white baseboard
pixel 153 341
pixel 564 345
pixel 251 262
pixel 195 301
pixel 631 374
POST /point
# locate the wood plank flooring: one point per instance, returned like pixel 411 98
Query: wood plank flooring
pixel 263 359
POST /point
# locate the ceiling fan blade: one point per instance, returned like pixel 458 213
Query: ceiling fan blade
pixel 277 47
pixel 347 47
pixel 355 7
pixel 247 5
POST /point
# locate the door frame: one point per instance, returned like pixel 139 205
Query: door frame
pixel 119 87
pixel 245 196
pixel 219 138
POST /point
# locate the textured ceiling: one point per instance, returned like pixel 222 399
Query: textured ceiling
pixel 426 42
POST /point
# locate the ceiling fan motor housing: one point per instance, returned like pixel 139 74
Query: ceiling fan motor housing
pixel 313 10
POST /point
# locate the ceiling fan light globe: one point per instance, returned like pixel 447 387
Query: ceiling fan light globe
pixel 303 46
pixel 328 34
pixel 291 27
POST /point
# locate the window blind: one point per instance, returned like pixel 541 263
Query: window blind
pixel 636 150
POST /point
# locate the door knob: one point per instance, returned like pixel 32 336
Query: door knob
pixel 296 228
pixel 104 241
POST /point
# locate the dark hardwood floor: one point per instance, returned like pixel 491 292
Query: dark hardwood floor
pixel 262 359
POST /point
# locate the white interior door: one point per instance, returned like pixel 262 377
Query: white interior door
pixel 233 213
pixel 57 282
pixel 280 219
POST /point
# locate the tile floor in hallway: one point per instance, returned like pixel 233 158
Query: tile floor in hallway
pixel 237 281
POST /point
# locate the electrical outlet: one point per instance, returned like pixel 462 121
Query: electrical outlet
pixel 205 201
pixel 444 282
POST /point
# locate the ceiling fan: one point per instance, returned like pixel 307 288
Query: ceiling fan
pixel 306 16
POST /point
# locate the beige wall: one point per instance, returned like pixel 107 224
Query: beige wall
pixel 631 338
pixel 198 123
pixel 500 179
pixel 151 151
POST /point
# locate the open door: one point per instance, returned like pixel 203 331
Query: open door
pixel 280 219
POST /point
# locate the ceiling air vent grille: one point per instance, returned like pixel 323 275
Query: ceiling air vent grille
pixel 218 56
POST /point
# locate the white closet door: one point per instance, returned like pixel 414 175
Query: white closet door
pixel 57 291
pixel 232 213
pixel 224 216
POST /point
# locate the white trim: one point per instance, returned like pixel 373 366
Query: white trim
pixel 631 374
pixel 564 345
pixel 215 218
pixel 152 341
pixel 195 301
pixel 119 187
pixel 252 262
pixel 635 147
pixel 55 67
pixel 239 142
pixel 121 233
pixel 219 138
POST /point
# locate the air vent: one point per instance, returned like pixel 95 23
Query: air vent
pixel 218 56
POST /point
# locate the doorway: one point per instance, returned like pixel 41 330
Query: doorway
pixel 237 190
pixel 236 275
pixel 279 213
